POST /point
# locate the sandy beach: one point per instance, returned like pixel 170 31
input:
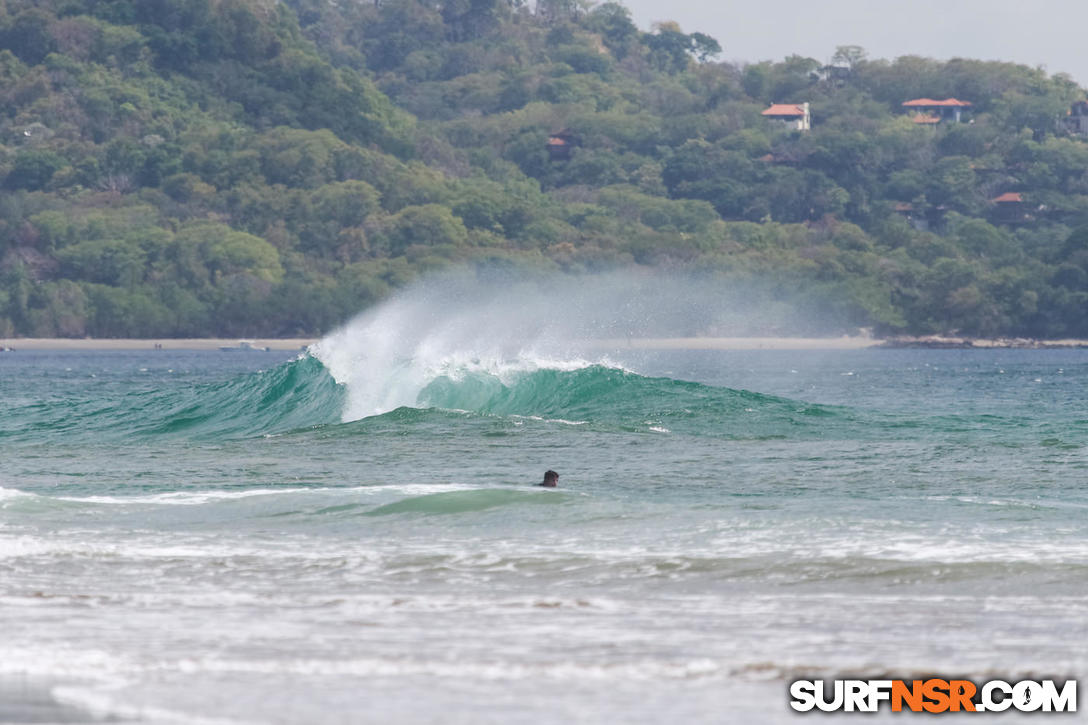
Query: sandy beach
pixel 42 343
pixel 661 343
pixel 635 343
pixel 737 343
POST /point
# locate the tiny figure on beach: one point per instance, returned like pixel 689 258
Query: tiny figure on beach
pixel 551 479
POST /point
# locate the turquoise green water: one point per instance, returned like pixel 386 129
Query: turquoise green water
pixel 352 536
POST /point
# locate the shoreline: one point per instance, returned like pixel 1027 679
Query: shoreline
pixel 940 342
pixel 28 699
pixel 734 343
pixel 292 344
pixel 262 344
pixel 258 344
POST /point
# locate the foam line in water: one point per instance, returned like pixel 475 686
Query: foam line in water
pixel 455 502
pixel 196 498
pixel 182 498
pixel 104 706
pixel 10 494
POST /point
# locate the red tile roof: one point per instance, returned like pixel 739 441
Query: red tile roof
pixel 784 109
pixel 1009 196
pixel 930 103
pixel 557 141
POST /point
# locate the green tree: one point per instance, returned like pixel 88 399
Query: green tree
pixel 28 36
pixel 33 169
pixel 613 21
pixel 429 225
pixel 105 261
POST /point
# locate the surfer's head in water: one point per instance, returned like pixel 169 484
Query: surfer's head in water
pixel 551 479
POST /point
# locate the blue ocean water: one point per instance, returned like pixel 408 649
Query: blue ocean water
pixel 351 534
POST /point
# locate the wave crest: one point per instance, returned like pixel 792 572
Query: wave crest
pixel 619 398
pixel 296 394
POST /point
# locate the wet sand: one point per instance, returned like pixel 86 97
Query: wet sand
pixel 25 700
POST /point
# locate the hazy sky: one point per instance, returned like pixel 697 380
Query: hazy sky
pixel 1051 33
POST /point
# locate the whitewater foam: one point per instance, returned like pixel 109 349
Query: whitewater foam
pixel 388 356
pixel 196 498
pixel 542 419
pixel 11 494
pixel 104 706
pixel 182 498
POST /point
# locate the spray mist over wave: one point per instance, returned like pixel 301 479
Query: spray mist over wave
pixel 451 327
pixel 474 326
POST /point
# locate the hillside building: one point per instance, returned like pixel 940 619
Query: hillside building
pixel 1077 119
pixel 794 115
pixel 560 145
pixel 1010 208
pixel 950 109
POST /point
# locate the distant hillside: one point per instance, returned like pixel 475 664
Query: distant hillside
pixel 253 167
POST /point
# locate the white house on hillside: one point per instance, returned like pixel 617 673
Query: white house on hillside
pixel 795 115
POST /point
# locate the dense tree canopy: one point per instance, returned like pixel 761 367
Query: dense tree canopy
pixel 243 167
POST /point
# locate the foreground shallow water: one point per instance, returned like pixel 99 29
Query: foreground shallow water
pixel 247 538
